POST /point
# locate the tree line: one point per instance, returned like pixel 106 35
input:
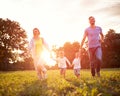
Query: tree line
pixel 14 53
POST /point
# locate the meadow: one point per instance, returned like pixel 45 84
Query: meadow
pixel 26 83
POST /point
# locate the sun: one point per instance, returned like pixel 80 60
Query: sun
pixel 48 60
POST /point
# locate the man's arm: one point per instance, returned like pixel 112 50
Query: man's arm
pixel 83 40
pixel 102 36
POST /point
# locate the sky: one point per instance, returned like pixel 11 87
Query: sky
pixel 61 21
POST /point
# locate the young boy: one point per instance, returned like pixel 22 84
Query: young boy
pixel 62 63
pixel 76 65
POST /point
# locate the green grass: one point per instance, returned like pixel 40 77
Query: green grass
pixel 26 83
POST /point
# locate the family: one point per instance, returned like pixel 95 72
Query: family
pixel 94 35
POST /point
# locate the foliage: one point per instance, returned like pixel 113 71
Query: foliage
pixel 69 52
pixel 13 43
pixel 84 59
pixel 111 49
pixel 26 83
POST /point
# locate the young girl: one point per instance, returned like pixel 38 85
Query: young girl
pixel 62 63
pixel 77 65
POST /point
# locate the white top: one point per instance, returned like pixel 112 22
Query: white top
pixel 62 62
pixel 76 63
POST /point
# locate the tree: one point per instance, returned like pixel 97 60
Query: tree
pixel 13 43
pixel 68 51
pixel 84 59
pixel 111 49
pixel 75 46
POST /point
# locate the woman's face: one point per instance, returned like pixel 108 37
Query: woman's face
pixel 36 32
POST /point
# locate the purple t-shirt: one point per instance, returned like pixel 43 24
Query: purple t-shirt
pixel 93 36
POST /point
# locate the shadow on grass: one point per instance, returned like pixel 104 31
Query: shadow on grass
pixel 37 88
pixel 96 86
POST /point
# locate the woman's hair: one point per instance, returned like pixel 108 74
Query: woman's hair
pixel 36 29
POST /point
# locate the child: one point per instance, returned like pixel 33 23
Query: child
pixel 77 65
pixel 62 63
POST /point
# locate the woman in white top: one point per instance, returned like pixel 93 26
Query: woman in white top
pixel 36 47
pixel 76 65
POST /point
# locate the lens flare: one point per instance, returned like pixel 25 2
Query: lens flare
pixel 46 56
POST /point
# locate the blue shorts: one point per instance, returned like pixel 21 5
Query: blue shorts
pixel 77 71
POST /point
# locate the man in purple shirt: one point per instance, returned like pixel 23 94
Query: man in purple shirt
pixel 95 37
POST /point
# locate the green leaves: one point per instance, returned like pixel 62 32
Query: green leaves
pixel 13 38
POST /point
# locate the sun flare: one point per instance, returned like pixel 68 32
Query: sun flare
pixel 48 60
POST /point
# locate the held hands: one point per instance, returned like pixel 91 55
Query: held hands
pixel 70 65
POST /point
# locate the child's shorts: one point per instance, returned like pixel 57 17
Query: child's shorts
pixel 77 71
pixel 62 70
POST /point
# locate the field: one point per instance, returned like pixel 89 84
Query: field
pixel 26 83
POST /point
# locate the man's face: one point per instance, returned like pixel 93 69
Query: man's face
pixel 92 20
